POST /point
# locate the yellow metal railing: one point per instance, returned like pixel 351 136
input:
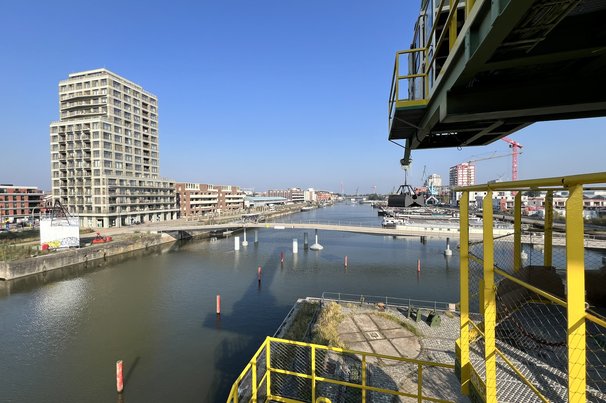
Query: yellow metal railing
pixel 260 382
pixel 575 318
pixel 422 64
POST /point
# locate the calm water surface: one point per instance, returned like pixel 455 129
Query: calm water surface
pixel 62 333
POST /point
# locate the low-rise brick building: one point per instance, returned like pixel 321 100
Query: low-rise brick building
pixel 19 202
pixel 202 199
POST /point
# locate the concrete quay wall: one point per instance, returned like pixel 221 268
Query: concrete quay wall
pixel 60 259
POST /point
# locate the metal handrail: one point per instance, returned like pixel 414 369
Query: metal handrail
pixel 389 301
pixel 257 385
pixel 429 50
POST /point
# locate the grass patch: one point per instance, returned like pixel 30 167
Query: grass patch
pixel 17 252
pixel 326 328
pixel 405 324
pixel 12 237
pixel 298 326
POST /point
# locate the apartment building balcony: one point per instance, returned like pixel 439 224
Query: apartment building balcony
pixel 67 106
pixel 79 95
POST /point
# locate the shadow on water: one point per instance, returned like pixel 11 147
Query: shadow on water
pixel 131 368
pixel 232 354
pixel 29 283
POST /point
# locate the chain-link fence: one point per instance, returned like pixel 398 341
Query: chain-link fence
pixel 536 358
pixel 306 372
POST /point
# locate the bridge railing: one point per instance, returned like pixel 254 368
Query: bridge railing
pixel 283 220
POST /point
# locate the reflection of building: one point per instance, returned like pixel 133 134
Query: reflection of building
pixel 19 202
pixel 105 160
pixel 200 199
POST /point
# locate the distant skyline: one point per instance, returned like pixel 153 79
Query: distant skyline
pixel 263 95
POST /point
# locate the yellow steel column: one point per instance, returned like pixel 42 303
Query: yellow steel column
pixel 575 284
pixel 397 78
pixel 452 30
pixel 268 365
pixel 468 6
pixel 313 374
pixel 548 243
pixel 517 232
pixel 489 301
pixel 254 379
pixel 464 291
pixel 364 379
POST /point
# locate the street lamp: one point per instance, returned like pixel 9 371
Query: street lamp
pixel 33 216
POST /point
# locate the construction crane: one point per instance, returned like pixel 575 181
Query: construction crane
pixel 471 162
pixel 514 156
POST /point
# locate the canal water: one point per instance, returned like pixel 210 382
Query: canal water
pixel 62 333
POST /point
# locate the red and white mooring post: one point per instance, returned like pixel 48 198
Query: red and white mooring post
pixel 218 305
pixel 119 378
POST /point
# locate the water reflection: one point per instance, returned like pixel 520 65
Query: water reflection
pixel 157 310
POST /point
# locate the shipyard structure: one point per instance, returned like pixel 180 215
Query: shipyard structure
pixel 105 161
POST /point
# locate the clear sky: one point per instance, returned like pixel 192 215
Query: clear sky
pixel 261 94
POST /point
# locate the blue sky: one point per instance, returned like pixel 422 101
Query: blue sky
pixel 260 94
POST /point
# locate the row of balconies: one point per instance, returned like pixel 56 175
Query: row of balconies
pixel 93 102
pixel 84 112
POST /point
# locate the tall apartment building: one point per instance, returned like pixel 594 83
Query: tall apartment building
pixel 19 202
pixel 105 162
pixel 463 175
pixel 200 199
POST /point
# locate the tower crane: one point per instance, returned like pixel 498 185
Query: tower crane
pixel 471 162
pixel 515 146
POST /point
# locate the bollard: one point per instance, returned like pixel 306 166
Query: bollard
pixel 218 304
pixel 237 243
pixel 345 261
pixel 259 274
pixel 119 379
pixel 418 265
pixel 447 251
pixel 295 246
pixel 305 241
pixel 244 242
pixel 281 257
pixel 316 246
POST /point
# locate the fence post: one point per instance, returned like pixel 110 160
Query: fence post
pixel 452 30
pixel 313 374
pixel 489 301
pixel 548 242
pixel 468 6
pixel 420 383
pixel 364 378
pixel 575 281
pixel 254 379
pixel 464 292
pixel 517 233
pixel 267 366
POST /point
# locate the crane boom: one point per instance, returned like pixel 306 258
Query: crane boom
pixel 514 156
